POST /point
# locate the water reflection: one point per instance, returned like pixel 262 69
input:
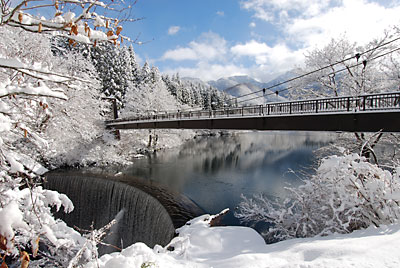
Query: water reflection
pixel 215 171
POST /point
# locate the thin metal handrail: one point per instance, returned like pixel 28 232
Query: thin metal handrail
pixel 369 102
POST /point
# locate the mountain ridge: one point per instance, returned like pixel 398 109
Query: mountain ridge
pixel 245 85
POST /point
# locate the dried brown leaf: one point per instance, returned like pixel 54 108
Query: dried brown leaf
pixel 24 259
pixel 3 243
pixel 119 30
pixel 74 29
pixel 36 247
pixel 110 33
pixel 3 265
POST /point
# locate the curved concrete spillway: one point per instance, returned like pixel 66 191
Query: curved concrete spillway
pixel 98 200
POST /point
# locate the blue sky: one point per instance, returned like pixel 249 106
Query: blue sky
pixel 209 39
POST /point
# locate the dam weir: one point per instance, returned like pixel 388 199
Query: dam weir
pixel 145 212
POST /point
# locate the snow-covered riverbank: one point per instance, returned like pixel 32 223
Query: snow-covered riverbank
pixel 199 245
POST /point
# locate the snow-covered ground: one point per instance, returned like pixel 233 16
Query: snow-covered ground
pixel 199 245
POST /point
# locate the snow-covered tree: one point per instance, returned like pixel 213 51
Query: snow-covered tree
pixel 196 94
pixel 25 113
pixel 149 95
pixel 113 69
pixel 155 75
pixel 343 68
pixel 145 74
pixel 43 98
pixel 346 193
pixel 135 67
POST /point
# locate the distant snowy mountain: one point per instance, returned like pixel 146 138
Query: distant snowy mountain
pixel 242 85
pixel 241 89
pixel 227 82
pixel 255 94
pixel 278 80
pixel 222 83
pixel 195 81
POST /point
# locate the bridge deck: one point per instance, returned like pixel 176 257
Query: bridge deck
pixel 367 113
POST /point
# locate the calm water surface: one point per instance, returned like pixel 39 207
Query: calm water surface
pixel 214 171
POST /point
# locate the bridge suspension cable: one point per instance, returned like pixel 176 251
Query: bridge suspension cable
pixel 303 75
pixel 356 56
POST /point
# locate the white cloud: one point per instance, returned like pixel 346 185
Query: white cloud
pixel 208 47
pixel 220 13
pixel 252 48
pixel 360 20
pixel 270 10
pixel 278 57
pixel 214 60
pixel 180 54
pixel 173 30
pixel 208 71
pixel 303 25
pixel 308 23
pixel 211 56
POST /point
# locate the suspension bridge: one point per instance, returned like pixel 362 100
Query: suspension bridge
pixel 365 113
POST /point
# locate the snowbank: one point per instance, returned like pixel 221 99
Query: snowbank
pixel 199 245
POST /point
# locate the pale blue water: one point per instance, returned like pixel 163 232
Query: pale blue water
pixel 215 171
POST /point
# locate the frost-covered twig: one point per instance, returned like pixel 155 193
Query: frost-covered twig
pixel 93 238
pixel 77 19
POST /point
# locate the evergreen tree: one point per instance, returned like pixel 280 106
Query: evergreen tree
pixel 113 65
pixel 155 76
pixel 145 73
pixel 135 67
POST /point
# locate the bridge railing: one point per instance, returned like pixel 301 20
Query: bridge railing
pixel 372 102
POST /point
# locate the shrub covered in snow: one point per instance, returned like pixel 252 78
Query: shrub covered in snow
pixel 27 223
pixel 346 193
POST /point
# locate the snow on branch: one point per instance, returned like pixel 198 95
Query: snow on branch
pixel 79 20
pixel 41 74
